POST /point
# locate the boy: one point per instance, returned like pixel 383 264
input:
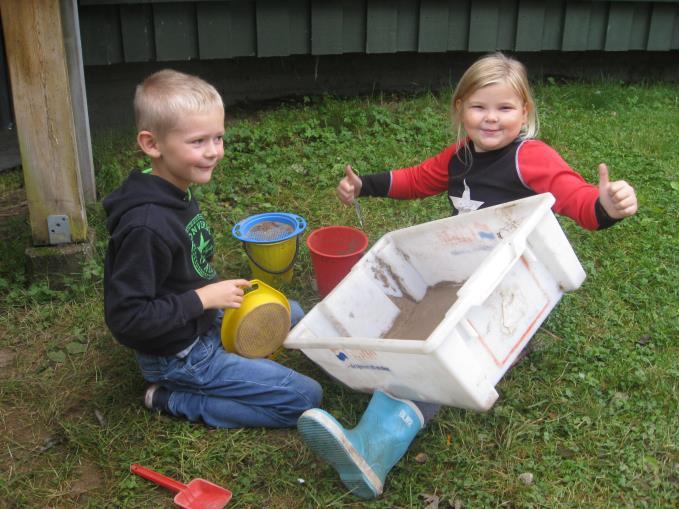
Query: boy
pixel 161 294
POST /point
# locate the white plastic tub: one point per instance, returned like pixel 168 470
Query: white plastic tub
pixel 514 262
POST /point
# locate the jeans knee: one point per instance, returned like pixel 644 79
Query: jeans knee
pixel 311 392
pixel 296 312
pixel 316 394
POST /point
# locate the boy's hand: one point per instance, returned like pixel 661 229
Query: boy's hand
pixel 617 198
pixel 224 294
pixel 349 187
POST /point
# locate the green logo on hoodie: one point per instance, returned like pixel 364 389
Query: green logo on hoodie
pixel 202 246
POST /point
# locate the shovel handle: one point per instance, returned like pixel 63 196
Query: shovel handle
pixel 155 477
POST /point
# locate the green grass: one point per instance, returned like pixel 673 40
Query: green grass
pixel 591 412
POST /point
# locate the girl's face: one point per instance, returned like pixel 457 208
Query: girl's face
pixel 492 116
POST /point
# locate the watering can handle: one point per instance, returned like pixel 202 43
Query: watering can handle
pixel 275 272
pixel 155 477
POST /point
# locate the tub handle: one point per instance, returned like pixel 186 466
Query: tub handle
pixel 492 271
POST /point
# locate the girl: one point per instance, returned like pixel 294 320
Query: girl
pixel 495 159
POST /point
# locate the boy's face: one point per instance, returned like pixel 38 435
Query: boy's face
pixel 190 151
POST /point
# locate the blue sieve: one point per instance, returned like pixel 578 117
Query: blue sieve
pixel 269 227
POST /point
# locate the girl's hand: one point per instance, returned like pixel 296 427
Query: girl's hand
pixel 617 198
pixel 224 294
pixel 349 187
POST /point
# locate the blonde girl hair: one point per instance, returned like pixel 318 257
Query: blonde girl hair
pixel 490 70
pixel 165 96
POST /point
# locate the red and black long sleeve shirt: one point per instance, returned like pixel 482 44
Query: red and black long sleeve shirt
pixel 482 179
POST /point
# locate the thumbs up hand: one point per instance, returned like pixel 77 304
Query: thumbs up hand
pixel 617 198
pixel 349 187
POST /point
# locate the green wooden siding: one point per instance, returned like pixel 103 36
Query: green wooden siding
pixel 100 35
pixel 663 33
pixel 381 27
pixel 226 30
pixel 119 31
pixel 282 27
pixel 136 30
pixel 176 31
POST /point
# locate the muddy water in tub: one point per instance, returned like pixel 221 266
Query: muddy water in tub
pixel 418 320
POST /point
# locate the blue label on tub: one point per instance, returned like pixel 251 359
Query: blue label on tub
pixel 372 367
pixel 363 355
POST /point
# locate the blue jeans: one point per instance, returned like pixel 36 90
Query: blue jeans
pixel 226 390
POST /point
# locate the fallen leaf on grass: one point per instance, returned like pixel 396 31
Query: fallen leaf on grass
pixel 432 501
pixel 421 457
pixel 644 340
pixel 49 443
pixel 526 478
pixel 100 418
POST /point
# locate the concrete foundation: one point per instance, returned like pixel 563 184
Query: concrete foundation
pixel 59 264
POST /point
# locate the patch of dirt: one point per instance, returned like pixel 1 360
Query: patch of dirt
pixel 87 477
pixel 13 203
pixel 7 368
pixel 279 437
pixel 29 445
pixel 24 438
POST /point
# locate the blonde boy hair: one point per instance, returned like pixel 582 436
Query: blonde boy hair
pixel 490 70
pixel 162 98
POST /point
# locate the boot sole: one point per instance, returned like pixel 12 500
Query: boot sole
pixel 326 438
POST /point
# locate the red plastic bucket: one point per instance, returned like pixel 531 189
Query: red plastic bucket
pixel 334 250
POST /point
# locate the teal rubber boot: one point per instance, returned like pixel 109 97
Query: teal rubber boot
pixel 363 456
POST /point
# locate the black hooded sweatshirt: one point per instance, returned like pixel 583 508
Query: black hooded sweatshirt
pixel 159 253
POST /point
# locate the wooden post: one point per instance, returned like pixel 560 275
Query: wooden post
pixel 38 70
pixel 76 78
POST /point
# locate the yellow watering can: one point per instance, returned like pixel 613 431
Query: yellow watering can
pixel 271 241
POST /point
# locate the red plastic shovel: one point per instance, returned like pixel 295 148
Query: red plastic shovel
pixel 198 494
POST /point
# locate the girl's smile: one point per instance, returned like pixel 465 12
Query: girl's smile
pixel 493 116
